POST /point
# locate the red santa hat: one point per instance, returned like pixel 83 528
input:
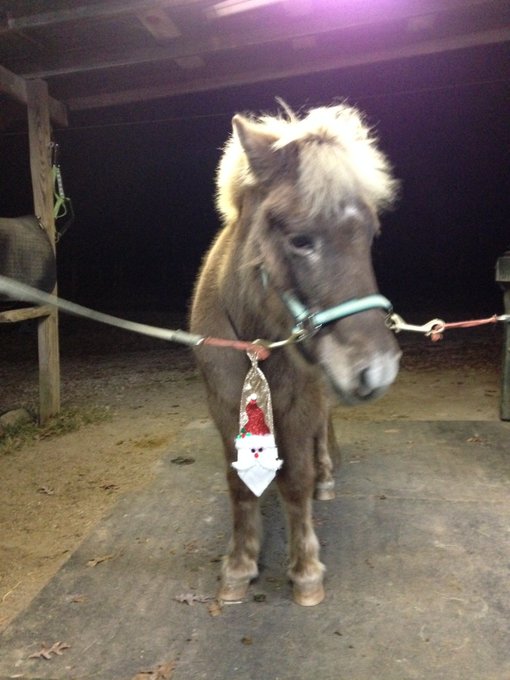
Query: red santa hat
pixel 256 423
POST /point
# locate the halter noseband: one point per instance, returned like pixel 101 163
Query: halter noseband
pixel 308 323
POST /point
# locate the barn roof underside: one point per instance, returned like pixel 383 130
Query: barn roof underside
pixel 98 54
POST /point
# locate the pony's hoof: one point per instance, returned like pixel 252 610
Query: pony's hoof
pixel 233 592
pixel 324 494
pixel 308 596
pixel 325 491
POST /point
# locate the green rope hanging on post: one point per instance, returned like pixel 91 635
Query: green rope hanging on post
pixel 62 205
pixel 61 201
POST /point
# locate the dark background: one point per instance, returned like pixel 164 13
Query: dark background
pixel 142 183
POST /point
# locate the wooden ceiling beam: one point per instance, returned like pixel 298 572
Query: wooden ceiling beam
pixel 303 27
pixel 159 24
pixel 98 10
pixel 16 87
pixel 261 75
pixel 114 8
pixel 13 85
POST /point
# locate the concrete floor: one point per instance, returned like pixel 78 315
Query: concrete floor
pixel 417 546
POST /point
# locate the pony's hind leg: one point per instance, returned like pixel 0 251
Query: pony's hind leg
pixel 305 570
pixel 325 447
pixel 240 564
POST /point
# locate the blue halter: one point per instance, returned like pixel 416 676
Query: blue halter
pixel 308 323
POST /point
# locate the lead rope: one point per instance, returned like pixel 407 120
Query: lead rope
pixel 260 348
pixel 20 291
pixel 434 329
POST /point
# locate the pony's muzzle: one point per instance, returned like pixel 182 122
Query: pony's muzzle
pixel 379 375
pixel 355 375
pixel 372 381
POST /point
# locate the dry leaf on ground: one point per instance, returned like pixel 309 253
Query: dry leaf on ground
pixel 191 598
pixel 162 672
pixel 46 490
pixel 56 648
pixel 98 560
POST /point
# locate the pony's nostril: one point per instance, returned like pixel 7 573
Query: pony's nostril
pixel 365 382
pixel 380 373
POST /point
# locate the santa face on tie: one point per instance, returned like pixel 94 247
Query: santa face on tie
pixel 257 449
pixel 257 455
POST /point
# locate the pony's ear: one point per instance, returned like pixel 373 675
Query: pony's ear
pixel 257 144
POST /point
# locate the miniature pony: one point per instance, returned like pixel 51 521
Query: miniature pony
pixel 299 198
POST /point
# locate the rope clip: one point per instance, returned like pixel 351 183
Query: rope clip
pixel 298 335
pixel 432 329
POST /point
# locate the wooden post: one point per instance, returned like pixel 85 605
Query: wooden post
pixel 42 185
pixel 503 278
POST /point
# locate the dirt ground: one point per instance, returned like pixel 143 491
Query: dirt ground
pixel 138 394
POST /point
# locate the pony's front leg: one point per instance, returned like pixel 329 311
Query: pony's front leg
pixel 325 448
pixel 240 564
pixel 306 571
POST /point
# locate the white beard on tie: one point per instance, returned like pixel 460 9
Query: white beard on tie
pixel 257 461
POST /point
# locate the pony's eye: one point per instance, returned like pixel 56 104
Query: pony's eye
pixel 302 244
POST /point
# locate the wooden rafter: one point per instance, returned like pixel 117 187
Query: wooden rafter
pixel 98 10
pixel 261 75
pixel 114 8
pixel 298 29
pixel 149 49
pixel 16 87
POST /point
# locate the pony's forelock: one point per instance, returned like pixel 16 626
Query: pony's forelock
pixel 338 156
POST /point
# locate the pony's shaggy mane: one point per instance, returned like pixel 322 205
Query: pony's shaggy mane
pixel 338 157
